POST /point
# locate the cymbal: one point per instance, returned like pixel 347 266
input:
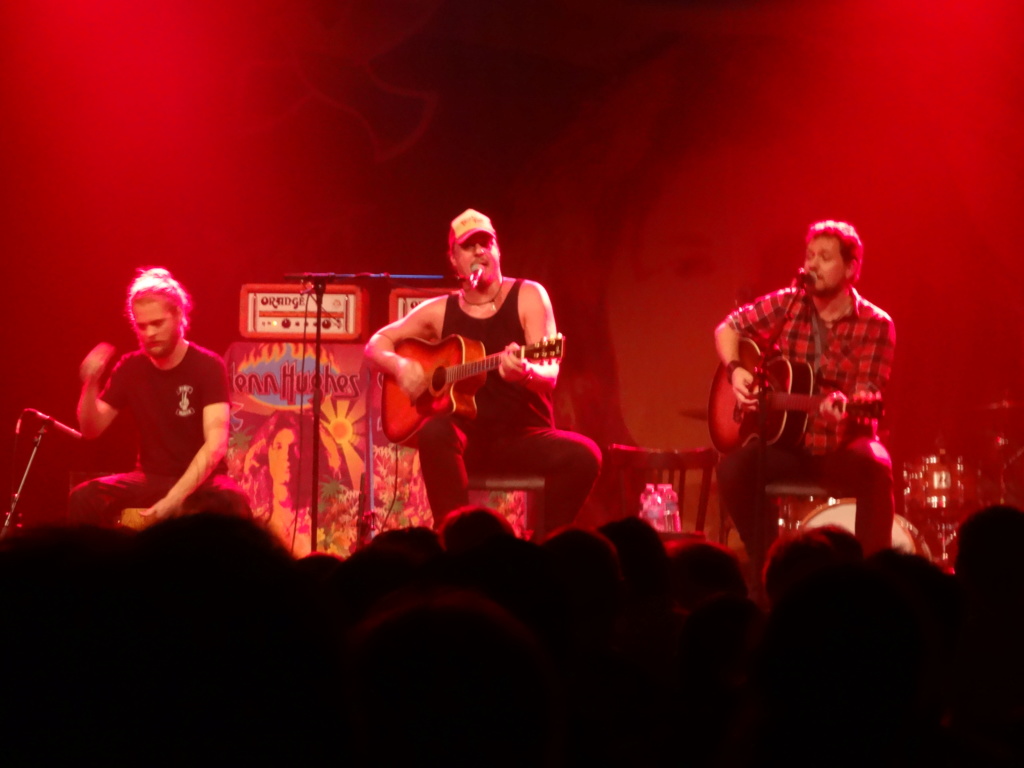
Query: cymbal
pixel 699 412
pixel 1001 405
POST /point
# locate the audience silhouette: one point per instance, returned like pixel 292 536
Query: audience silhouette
pixel 203 639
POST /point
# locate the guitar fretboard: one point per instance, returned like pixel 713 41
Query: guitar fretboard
pixel 547 350
pixel 792 401
pixel 465 370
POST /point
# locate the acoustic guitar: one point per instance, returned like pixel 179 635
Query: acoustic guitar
pixel 455 368
pixel 789 401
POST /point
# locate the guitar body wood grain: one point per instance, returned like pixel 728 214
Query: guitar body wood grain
pixel 401 418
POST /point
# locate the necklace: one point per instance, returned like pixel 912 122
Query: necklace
pixel 492 301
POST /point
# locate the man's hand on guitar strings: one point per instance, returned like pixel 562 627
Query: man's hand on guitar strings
pixel 742 381
pixel 410 378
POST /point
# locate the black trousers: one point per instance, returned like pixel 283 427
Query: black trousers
pixel 101 501
pixel 862 469
pixel 451 447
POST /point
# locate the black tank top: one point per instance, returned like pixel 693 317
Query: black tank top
pixel 500 404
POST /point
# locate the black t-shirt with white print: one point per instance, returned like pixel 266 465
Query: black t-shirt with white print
pixel 168 405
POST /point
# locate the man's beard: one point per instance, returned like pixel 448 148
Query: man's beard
pixel 828 293
pixel 163 350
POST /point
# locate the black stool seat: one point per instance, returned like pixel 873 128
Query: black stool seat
pixel 784 492
pixel 796 488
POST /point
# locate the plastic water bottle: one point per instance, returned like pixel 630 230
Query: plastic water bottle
pixel 645 501
pixel 652 507
pixel 671 503
pixel 646 498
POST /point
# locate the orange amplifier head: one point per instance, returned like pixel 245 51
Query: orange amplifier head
pixel 403 300
pixel 283 311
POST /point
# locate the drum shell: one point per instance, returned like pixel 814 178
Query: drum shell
pixel 842 513
pixel 948 484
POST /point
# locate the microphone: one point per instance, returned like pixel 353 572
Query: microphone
pixel 805 278
pixel 51 421
pixel 474 275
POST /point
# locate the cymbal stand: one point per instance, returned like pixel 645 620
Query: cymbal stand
pixel 1005 465
pixel 945 533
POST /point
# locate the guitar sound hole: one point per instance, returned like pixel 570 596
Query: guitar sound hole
pixel 437 380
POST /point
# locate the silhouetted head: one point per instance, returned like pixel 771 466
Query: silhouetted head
pixel 989 560
pixel 701 569
pixel 467 527
pixel 641 556
pixel 418 544
pixel 220 501
pixel 792 558
pixel 478 688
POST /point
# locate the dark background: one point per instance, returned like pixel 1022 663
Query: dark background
pixel 652 163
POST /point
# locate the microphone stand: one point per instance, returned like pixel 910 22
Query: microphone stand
pixel 319 282
pixel 762 382
pixel 17 494
pixel 377 284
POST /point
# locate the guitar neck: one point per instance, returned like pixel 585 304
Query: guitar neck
pixel 546 350
pixel 465 370
pixel 792 401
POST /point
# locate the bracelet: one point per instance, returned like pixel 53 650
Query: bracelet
pixel 730 369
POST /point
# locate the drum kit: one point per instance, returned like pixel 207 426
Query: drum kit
pixel 842 513
pixel 939 490
pixel 942 489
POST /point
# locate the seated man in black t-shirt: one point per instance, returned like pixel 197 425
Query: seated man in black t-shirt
pixel 178 393
pixel 514 427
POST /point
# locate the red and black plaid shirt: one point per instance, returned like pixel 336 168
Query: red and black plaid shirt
pixel 857 354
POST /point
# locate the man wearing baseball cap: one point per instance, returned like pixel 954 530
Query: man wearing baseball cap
pixel 514 428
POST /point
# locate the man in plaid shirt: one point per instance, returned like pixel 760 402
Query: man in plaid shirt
pixel 849 344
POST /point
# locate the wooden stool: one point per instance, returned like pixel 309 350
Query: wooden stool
pixel 635 467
